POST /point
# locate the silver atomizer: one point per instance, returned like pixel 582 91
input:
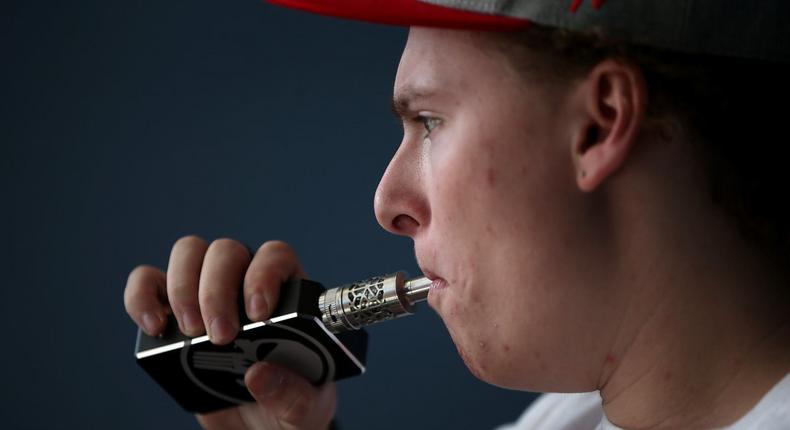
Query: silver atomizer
pixel 359 304
pixel 315 332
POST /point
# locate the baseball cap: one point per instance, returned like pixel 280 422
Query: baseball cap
pixel 751 29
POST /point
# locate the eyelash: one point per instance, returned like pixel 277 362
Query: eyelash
pixel 429 123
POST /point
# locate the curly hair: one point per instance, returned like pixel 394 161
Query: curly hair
pixel 733 112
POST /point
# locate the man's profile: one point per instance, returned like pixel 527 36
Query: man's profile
pixel 600 184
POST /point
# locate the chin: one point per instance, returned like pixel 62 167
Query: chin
pixel 496 369
pixel 487 372
pixel 478 361
pixel 473 365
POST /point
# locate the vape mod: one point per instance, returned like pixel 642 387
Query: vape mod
pixel 315 332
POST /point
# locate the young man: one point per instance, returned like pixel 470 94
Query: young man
pixel 565 207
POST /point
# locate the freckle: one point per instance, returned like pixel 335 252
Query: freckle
pixel 506 348
pixel 536 354
pixel 491 176
pixel 667 376
pixel 543 367
pixel 610 358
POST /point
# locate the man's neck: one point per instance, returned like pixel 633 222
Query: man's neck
pixel 704 337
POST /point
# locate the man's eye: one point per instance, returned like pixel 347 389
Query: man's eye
pixel 428 122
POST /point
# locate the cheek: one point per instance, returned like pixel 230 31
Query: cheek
pixel 467 172
pixel 499 214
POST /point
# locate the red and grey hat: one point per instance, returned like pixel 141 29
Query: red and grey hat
pixel 756 29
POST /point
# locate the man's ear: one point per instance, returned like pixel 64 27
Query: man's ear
pixel 613 100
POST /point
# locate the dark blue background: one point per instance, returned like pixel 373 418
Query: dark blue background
pixel 126 125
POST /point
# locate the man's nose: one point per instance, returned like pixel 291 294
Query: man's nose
pixel 400 203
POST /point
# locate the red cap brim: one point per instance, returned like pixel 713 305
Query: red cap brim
pixel 406 13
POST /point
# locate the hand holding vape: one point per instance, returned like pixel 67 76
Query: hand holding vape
pixel 315 332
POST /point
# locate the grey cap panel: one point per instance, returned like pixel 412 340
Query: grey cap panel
pixel 742 28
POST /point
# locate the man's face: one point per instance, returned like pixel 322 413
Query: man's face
pixel 489 197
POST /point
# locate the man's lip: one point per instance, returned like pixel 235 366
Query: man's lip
pixel 430 275
pixel 437 282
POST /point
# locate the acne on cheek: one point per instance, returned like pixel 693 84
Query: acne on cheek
pixel 489 230
pixel 453 311
pixel 490 177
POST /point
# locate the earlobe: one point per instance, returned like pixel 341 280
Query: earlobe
pixel 613 98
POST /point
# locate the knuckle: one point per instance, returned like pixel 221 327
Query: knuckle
pixel 130 295
pixel 228 246
pixel 134 285
pixel 267 282
pixel 181 293
pixel 138 274
pixel 275 246
pixel 129 303
pixel 218 299
pixel 213 299
pixel 190 241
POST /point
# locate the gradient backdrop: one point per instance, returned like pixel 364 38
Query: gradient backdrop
pixel 126 125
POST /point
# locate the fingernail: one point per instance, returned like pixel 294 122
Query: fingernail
pixel 192 321
pixel 221 330
pixel 150 323
pixel 258 306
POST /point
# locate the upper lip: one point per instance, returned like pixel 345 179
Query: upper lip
pixel 426 271
pixel 428 274
pixel 424 264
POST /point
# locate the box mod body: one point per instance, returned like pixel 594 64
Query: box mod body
pixel 203 377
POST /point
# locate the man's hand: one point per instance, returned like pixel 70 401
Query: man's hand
pixel 201 288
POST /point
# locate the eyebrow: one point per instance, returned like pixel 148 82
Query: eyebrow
pixel 402 101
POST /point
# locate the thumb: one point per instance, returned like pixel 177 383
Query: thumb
pixel 289 398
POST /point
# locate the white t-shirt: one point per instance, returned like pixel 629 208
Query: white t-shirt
pixel 584 411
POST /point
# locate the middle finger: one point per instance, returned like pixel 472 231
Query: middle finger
pixel 221 278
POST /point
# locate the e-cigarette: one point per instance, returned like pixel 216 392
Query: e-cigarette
pixel 315 332
pixel 353 306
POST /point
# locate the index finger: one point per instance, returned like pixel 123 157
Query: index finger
pixel 274 263
pixel 145 299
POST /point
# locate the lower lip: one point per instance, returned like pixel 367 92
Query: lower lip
pixel 438 284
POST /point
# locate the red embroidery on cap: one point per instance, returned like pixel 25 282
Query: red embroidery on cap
pixel 577 3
